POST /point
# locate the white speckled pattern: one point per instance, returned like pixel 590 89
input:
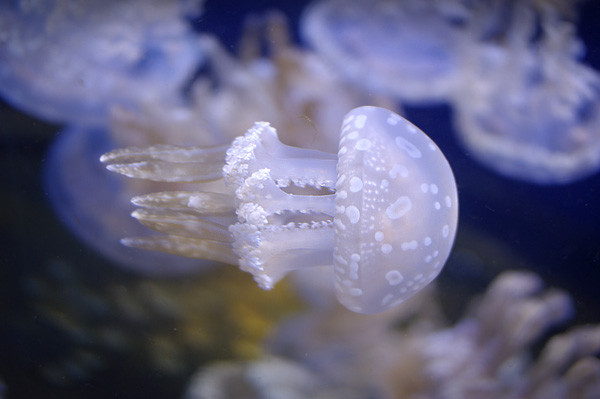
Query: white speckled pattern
pixel 396 210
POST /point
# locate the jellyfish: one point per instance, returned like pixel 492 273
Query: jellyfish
pixel 69 61
pixel 531 108
pixel 407 49
pixel 382 212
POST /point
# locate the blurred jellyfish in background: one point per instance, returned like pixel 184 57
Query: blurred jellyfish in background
pixel 526 105
pixel 529 108
pixel 409 49
pixel 70 61
pixel 269 78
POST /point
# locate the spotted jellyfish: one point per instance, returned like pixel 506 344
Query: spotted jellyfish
pixel 383 212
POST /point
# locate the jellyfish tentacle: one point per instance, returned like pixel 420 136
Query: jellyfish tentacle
pixel 185 246
pixel 187 224
pixel 168 163
pixel 201 202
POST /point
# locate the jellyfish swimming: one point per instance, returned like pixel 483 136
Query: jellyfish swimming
pixel 531 110
pixel 382 212
pixel 407 49
pixel 69 61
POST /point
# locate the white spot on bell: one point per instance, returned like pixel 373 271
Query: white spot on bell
pixel 386 299
pixel 363 144
pixel 394 277
pixel 386 249
pixel 356 184
pixel 360 121
pixel 398 170
pixel 399 208
pixel 409 245
pixel 353 214
pixel 408 147
pixel 445 231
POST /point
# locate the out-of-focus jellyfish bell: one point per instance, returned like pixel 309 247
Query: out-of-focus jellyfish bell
pixel 530 109
pixel 68 61
pixel 382 213
pixel 408 49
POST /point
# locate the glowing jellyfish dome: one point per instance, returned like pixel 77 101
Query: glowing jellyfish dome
pixel 407 49
pixel 68 61
pixel 531 109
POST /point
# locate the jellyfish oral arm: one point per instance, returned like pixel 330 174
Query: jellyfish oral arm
pixel 194 223
pixel 285 205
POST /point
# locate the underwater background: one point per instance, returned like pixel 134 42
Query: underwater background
pixel 75 322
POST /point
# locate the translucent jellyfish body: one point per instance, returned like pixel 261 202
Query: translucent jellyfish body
pixel 531 110
pixel 409 49
pixel 383 212
pixel 68 61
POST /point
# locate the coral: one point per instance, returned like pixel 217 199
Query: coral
pixel 263 379
pixel 489 353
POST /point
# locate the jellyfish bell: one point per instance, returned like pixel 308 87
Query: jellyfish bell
pixel 382 212
pixel 396 210
pixel 406 49
pixel 69 61
pixel 531 109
